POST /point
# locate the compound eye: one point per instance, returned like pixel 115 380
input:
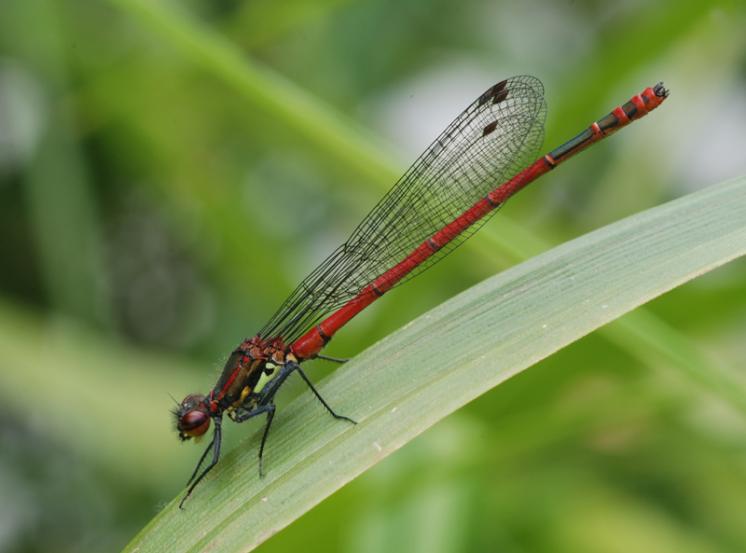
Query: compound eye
pixel 193 423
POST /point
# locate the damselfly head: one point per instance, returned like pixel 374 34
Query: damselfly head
pixel 192 417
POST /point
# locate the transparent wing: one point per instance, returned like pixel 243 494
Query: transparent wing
pixel 492 140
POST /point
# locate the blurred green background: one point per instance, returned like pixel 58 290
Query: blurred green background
pixel 169 171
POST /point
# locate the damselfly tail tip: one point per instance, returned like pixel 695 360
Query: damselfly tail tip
pixel 661 91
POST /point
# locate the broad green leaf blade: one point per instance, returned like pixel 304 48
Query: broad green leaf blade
pixel 444 359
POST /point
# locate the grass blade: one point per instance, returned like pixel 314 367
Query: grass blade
pixel 444 359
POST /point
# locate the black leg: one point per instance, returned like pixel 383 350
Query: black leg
pixel 268 408
pixel 216 439
pixel 270 416
pixel 332 359
pixel 321 399
pixel 201 460
pixel 263 403
pixel 253 413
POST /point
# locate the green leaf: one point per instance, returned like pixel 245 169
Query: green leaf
pixel 456 352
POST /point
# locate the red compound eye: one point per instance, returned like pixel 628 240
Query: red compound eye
pixel 194 423
pixel 192 418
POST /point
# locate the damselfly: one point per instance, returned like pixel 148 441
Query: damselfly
pixel 480 160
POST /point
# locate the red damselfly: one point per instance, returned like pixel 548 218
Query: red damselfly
pixel 484 157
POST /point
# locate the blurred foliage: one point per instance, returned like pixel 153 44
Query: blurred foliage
pixel 169 170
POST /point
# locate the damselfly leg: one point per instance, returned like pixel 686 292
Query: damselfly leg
pixel 339 360
pixel 263 402
pixel 321 399
pixel 215 444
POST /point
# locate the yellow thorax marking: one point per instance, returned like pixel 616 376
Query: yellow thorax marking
pixel 267 374
pixel 244 394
